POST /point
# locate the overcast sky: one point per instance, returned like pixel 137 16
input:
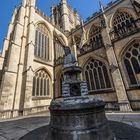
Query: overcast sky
pixel 85 8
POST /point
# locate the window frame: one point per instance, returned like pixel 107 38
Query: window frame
pixel 125 72
pixel 36 76
pixel 104 90
pixel 42 44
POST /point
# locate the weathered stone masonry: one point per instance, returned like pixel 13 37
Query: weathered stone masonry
pixel 107 47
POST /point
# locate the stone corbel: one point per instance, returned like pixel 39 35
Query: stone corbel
pixel 28 69
pixel 113 67
pixel 108 46
pixel 102 22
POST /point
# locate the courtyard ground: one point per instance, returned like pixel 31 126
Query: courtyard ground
pixel 14 129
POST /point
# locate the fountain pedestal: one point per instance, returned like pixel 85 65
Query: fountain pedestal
pixel 77 116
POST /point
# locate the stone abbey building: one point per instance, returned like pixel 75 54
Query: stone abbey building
pixel 106 45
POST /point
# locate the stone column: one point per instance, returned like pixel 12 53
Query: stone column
pixel 115 71
pixel 18 90
pixel 29 54
pixel 75 51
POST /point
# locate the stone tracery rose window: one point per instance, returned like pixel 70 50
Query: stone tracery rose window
pixel 131 61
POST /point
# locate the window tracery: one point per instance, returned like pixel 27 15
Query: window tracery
pixel 42 49
pixel 41 84
pixel 131 61
pixel 59 51
pixel 97 76
pixel 123 23
pixel 95 37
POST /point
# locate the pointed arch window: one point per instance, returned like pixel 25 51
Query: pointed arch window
pixel 97 76
pixel 59 51
pixel 95 37
pixel 41 84
pixel 123 23
pixel 42 42
pixel 131 61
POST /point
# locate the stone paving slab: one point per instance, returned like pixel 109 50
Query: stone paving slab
pixel 132 119
pixel 13 130
pixel 2 138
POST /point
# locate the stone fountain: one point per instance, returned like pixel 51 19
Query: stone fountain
pixel 77 116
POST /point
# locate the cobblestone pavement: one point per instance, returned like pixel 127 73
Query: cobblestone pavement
pixel 17 128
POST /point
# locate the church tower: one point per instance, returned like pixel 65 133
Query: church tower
pixel 16 48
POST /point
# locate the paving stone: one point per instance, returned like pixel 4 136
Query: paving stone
pixel 17 128
pixel 136 124
pixel 131 117
pixel 125 132
pixel 115 117
pixel 2 138
pixel 127 122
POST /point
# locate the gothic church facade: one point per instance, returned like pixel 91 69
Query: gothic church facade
pixel 106 45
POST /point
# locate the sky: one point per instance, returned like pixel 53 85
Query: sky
pixel 85 8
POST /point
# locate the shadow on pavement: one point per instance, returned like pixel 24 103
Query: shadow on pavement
pixel 122 132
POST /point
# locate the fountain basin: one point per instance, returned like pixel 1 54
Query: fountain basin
pixel 78 118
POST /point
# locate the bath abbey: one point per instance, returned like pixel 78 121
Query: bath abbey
pixel 106 45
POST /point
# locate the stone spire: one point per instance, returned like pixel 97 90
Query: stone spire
pixel 101 6
pixel 65 18
pixel 52 11
pixel 24 2
pixel 33 3
pixel 28 2
pixel 104 18
pixel 83 38
pixel 64 1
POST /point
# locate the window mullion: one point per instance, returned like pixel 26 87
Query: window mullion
pixel 44 56
pixel 94 79
pixel 42 46
pixel 36 41
pixel 104 77
pixel 37 44
pixel 133 71
pixel 48 87
pixel 89 80
pixel 99 80
pixel 48 50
